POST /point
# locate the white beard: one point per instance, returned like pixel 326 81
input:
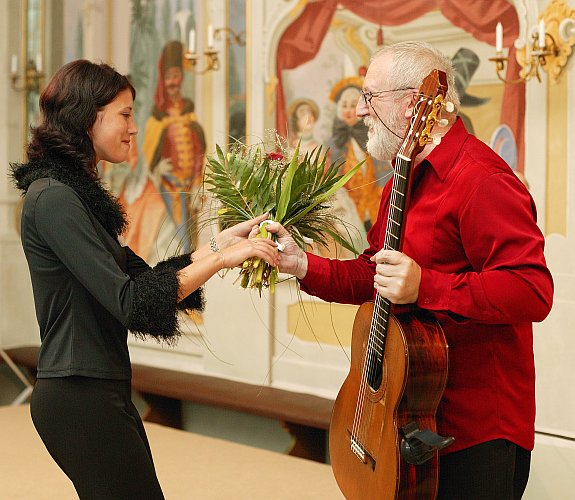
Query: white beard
pixel 382 144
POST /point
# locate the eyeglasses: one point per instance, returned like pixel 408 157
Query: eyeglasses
pixel 368 96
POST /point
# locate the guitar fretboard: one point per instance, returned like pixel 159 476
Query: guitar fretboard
pixel 393 232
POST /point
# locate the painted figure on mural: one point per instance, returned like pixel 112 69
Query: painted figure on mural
pixel 173 151
pixel 348 144
pixel 303 114
pixel 502 141
pixel 465 63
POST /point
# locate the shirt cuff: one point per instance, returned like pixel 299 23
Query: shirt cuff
pixel 434 290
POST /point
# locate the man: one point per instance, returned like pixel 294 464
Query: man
pixel 173 149
pixel 473 257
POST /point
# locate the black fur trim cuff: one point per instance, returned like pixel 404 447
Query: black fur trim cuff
pixel 154 311
pixel 193 301
pixel 155 307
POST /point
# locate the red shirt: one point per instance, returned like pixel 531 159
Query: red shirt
pixel 471 226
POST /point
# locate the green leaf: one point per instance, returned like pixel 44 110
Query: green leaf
pixel 334 187
pixel 285 195
pixel 246 183
pixel 341 241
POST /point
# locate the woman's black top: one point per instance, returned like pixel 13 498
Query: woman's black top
pixel 88 290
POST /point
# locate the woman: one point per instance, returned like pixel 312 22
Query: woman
pixel 89 291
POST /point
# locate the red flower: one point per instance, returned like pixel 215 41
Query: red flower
pixel 275 156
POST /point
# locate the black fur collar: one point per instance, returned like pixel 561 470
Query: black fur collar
pixel 103 204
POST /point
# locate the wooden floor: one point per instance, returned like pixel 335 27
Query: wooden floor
pixel 304 416
pixel 189 466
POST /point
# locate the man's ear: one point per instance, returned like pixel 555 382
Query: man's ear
pixel 409 110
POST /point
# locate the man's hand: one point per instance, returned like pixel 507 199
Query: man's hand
pixel 293 260
pixel 397 277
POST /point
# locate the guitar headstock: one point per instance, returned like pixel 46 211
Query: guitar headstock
pixel 430 98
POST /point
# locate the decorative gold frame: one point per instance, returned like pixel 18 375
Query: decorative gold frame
pixel 556 17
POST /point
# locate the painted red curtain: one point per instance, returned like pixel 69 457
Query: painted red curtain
pixel 302 40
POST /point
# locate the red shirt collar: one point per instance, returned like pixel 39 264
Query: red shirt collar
pixel 444 155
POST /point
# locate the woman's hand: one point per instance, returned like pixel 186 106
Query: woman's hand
pixel 293 260
pixel 207 262
pixel 235 234
pixel 263 248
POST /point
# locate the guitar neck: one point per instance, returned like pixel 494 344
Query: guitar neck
pixel 393 238
pixel 398 204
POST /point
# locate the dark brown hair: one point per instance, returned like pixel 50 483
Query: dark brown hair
pixel 69 105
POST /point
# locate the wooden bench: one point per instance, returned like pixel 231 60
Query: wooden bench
pixel 306 417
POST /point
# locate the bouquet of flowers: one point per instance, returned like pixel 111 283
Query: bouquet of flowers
pixel 295 191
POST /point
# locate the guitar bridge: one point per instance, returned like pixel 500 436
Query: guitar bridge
pixel 360 452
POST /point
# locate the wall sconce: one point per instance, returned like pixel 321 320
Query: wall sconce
pixel 33 77
pixel 232 36
pixel 211 54
pixel 548 45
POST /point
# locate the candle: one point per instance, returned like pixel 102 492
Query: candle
pixel 541 36
pixel 499 37
pixel 38 63
pixel 192 41
pixel 14 64
pixel 210 36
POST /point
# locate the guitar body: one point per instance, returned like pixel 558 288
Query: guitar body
pixel 413 377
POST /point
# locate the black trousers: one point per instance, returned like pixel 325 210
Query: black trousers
pixel 94 433
pixel 495 470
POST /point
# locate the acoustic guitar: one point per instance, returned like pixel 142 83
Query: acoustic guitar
pixel 383 441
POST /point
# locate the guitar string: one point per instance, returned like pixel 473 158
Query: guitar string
pixel 361 425
pixel 397 199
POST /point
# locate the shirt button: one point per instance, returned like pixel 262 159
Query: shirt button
pixel 426 301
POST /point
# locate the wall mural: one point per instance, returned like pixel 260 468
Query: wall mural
pixel 237 72
pixel 161 199
pixel 331 47
pixel 159 185
pixel 320 59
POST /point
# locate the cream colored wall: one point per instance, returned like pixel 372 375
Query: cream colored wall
pixel 17 320
pixel 550 170
pixel 550 128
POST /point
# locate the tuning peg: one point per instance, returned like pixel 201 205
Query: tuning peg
pixel 449 107
pixel 443 122
pixel 436 139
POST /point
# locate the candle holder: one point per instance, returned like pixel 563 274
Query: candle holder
pixel 231 36
pixel 548 47
pixel 529 58
pixel 191 58
pixel 212 61
pixel 32 80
